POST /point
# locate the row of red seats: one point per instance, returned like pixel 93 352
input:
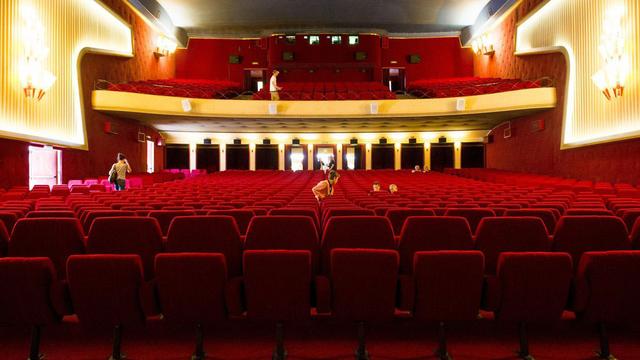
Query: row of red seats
pixel 205 89
pixel 444 89
pixel 361 286
pixel 330 91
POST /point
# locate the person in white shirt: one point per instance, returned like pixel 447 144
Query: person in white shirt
pixel 273 86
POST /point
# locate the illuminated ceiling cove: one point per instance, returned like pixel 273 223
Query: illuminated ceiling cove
pixel 589 118
pixel 72 28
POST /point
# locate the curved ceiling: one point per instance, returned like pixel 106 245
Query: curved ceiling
pixel 247 18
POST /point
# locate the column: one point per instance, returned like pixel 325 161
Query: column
pixel 192 156
pixel 397 161
pixel 223 157
pixel 339 155
pixel 252 157
pixel 367 156
pixel 310 158
pixel 457 155
pixel 281 157
pixel 427 155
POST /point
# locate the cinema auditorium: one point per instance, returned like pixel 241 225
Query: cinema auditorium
pixel 319 179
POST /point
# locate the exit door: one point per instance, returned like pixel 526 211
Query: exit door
pixel 394 79
pixel 45 166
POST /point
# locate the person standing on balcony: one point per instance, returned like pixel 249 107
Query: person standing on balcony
pixel 273 86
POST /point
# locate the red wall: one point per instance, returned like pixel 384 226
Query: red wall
pixel 78 164
pixel 209 58
pixel 440 58
pixel 540 152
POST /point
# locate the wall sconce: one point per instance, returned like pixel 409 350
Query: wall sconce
pixel 34 78
pixel 164 46
pixel 482 45
pixel 610 79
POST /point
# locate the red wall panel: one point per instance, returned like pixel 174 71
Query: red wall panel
pixel 540 152
pixel 440 58
pixel 14 159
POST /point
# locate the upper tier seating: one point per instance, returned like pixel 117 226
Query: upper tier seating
pixel 329 91
pixel 189 88
pixel 468 86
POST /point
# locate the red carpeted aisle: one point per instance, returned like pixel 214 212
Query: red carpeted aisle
pixel 323 340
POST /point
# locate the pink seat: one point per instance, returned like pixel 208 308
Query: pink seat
pixel 207 234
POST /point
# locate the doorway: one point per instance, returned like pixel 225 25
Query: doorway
pixel 237 157
pixel 352 157
pixel 45 166
pixel 472 155
pixel 177 156
pixel 394 79
pixel 411 155
pixel 208 157
pixel 254 79
pixel 295 157
pixel 441 156
pixel 266 157
pixel 323 154
pixel 382 156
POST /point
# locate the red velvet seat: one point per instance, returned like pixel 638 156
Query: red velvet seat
pixel 629 217
pixel 54 238
pixel 607 291
pixel 242 217
pixel 51 213
pixel 29 296
pixel 370 232
pixel 106 291
pixel 510 234
pixel 339 211
pixel 581 211
pixel 191 291
pixel 363 287
pixel 90 216
pixel 530 288
pixel 448 287
pixel 127 235
pixel 546 215
pixel 473 216
pixel 277 287
pixel 431 233
pixel 312 213
pixel 165 217
pixel 284 233
pixel 207 234
pixel 398 217
pixel 579 234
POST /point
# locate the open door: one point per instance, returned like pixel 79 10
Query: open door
pixel 45 166
pixel 441 156
pixel 394 79
pixel 254 79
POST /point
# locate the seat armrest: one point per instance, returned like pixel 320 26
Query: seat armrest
pixel 234 290
pixel 149 298
pixel 323 294
pixel 406 292
pixel 491 293
pixel 61 298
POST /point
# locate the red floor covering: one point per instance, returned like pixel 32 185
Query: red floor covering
pixel 323 340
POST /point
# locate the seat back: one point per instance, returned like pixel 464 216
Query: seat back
pixel 51 213
pixel 473 216
pixel 607 287
pixel 328 213
pixel 300 211
pixel 243 217
pixel 127 235
pixel 579 234
pixel 510 234
pixel 9 218
pixel 284 233
pixel 105 289
pixel 369 232
pixel 90 216
pixel 277 284
pixel 25 285
pixel 546 215
pixel 634 235
pixel 207 234
pixel 453 297
pixel 165 217
pixel 533 287
pixel 54 238
pixel 398 217
pixel 191 287
pixel 363 283
pixel 431 233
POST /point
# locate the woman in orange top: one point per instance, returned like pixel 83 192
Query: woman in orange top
pixel 325 187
